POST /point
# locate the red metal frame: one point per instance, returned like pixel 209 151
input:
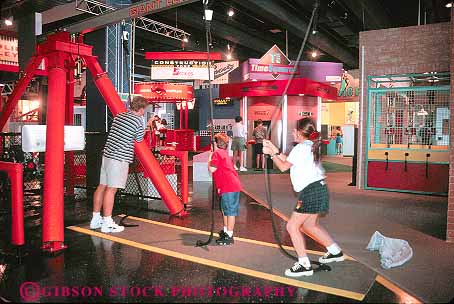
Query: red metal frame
pixel 183 156
pixel 182 56
pixel 60 53
pixel 15 172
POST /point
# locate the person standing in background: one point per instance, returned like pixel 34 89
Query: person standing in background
pixel 238 143
pixel 339 142
pixel 259 134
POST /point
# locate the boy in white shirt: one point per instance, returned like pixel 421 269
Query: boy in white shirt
pixel 238 143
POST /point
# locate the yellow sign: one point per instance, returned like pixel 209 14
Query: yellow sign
pixel 223 102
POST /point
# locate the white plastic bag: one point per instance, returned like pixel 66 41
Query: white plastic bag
pixel 393 252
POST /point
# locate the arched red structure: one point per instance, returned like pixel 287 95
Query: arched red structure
pixel 61 53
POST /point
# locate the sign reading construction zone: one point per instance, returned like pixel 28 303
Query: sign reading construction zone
pixel 181 69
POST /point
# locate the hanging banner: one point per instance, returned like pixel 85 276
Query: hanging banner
pixel 181 70
pixel 164 92
pixel 9 50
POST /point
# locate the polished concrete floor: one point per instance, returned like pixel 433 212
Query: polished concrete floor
pixel 103 271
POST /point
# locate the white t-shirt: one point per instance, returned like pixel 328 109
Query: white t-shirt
pixel 238 130
pixel 304 170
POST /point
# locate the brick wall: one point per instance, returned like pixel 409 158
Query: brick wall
pixel 450 226
pixel 413 49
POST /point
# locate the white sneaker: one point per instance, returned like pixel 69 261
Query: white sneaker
pixel 243 169
pixel 234 166
pixel 96 222
pixel 111 228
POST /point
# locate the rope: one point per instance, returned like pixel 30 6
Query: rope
pixel 200 243
pixel 266 172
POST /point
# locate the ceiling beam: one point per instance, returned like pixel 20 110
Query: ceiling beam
pixel 60 12
pixel 374 17
pixel 235 36
pixel 296 24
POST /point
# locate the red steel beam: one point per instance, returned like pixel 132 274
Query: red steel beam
pixel 53 203
pixel 19 89
pixel 182 56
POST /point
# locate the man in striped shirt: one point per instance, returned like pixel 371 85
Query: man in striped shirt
pixel 126 129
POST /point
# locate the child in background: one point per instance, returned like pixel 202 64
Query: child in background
pixel 308 179
pixel 339 142
pixel 162 132
pixel 154 123
pixel 228 186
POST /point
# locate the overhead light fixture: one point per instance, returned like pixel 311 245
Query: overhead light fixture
pixel 185 40
pixel 208 15
pixel 9 21
pixel 275 31
pixel 314 54
pixel 449 4
pixel 230 12
pixel 228 46
pixel 229 56
pixel 314 31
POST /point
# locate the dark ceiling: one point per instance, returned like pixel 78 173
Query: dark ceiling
pixel 249 31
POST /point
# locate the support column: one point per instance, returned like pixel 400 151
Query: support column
pixel 244 115
pixel 69 120
pixel 53 204
pixel 319 114
pixel 450 219
pixel 186 115
pixel 284 107
pixel 96 114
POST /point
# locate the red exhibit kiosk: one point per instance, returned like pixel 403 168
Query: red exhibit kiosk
pixel 261 84
pixel 259 100
pixel 180 94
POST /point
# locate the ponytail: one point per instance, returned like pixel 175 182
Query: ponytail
pixel 307 127
pixel 317 140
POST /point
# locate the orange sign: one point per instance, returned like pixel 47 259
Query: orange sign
pixel 164 92
pixel 8 50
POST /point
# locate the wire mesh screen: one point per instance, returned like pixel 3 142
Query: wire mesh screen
pixel 33 174
pixel 76 174
pixel 139 183
pixel 409 116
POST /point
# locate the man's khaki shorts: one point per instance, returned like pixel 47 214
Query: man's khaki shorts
pixel 114 173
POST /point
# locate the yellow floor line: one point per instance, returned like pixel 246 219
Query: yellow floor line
pixel 404 297
pixel 233 268
pixel 236 238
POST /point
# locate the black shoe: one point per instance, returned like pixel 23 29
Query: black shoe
pixel 328 258
pixel 222 234
pixel 299 270
pixel 226 240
